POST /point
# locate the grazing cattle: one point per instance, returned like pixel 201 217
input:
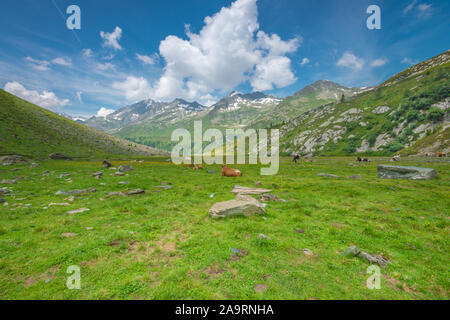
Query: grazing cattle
pixel 441 154
pixel 228 172
pixel 362 159
pixel 396 158
pixel 296 158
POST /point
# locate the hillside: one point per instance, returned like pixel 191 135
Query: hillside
pixel 411 107
pixel 34 132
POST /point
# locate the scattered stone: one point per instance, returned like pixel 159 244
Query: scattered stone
pixel 308 252
pixel 267 197
pixel 89 228
pixel 258 184
pixel 135 192
pixel 111 194
pixel 211 172
pixel 412 173
pixel 12 159
pixel 393 189
pixel 124 182
pixel 59 204
pixel 63 175
pixel 71 198
pixel 113 168
pixel 212 195
pixel 6 181
pixel 34 165
pixel 237 254
pixel 373 259
pixel 299 230
pixel 352 252
pixel 249 191
pixel 263 236
pixel 97 175
pixel 68 235
pixel 79 211
pixel 242 205
pixel 4 191
pixel 75 192
pixel 327 175
pixel 106 164
pixel 126 168
pixel 260 288
pixel 59 156
pixel 46 172
pixel 164 187
pixel 119 174
pixel 355 177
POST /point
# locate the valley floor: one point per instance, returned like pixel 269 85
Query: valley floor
pixel 163 244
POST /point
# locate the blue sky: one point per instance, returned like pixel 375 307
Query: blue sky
pixel 130 50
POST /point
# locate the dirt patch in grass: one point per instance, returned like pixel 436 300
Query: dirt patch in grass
pixel 50 274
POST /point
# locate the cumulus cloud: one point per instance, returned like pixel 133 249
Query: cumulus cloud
pixel 105 66
pixel 349 60
pixel 46 99
pixel 305 61
pixel 62 62
pixel 145 59
pixel 134 88
pixel 103 112
pixel 379 62
pixel 87 53
pixel 112 39
pixel 229 50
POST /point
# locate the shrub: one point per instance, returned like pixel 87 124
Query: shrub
pixel 436 115
pixel 394 146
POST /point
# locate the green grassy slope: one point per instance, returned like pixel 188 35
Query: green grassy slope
pixel 35 132
pixel 417 104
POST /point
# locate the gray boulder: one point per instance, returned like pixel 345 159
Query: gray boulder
pixel 126 168
pixel 247 191
pixel 59 156
pixel 412 173
pixel 242 205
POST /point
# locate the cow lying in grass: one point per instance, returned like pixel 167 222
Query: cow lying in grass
pixel 228 172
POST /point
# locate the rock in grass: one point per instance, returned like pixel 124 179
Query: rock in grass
pixel 260 288
pixel 412 173
pixel 111 194
pixel 59 156
pixel 135 192
pixel 126 168
pixel 248 191
pixel 71 192
pixel 68 235
pixel 299 230
pixel 106 164
pixel 6 181
pixel 119 174
pixel 262 236
pixel 258 184
pixel 79 211
pixel 124 182
pixel 308 252
pixel 352 252
pixel 242 205
pixel 97 175
pixel 327 175
pixel 373 259
pixel 270 197
pixel 355 177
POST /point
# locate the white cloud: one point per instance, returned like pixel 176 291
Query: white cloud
pixel 224 54
pixel 112 39
pixel 145 59
pixel 105 66
pixel 103 112
pixel 379 62
pixel 46 99
pixel 134 88
pixel 87 53
pixel 62 62
pixel 409 7
pixel 80 99
pixel 41 65
pixel 408 61
pixel 349 60
pixel 425 10
pixel 305 61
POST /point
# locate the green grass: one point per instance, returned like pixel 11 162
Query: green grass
pixel 163 245
pixel 34 132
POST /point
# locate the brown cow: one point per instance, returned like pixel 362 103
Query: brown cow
pixel 227 172
pixel 441 154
